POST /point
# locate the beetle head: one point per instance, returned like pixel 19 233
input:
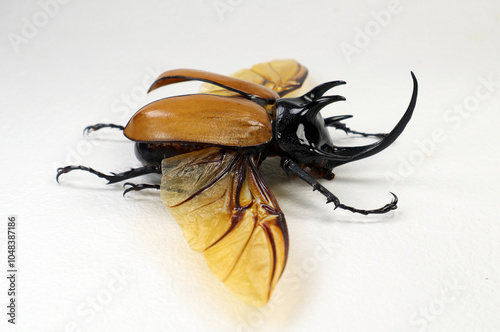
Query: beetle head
pixel 302 133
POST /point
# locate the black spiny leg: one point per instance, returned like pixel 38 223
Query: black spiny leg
pixel 293 168
pixel 98 126
pixel 334 122
pixel 113 177
pixel 138 187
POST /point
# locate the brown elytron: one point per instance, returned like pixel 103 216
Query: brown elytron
pixel 236 84
pixel 223 121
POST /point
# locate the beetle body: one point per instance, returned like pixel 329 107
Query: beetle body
pixel 208 148
pixel 292 127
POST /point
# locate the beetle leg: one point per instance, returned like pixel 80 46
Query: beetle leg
pixel 138 187
pixel 113 177
pixel 293 168
pixel 334 122
pixel 98 126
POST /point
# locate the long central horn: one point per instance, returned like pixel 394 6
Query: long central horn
pixel 360 152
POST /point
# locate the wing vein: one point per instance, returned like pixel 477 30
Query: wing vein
pixel 240 254
pixel 237 216
pixel 210 184
pixel 268 233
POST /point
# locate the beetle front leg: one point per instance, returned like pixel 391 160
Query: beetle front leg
pixel 334 122
pixel 293 168
pixel 347 130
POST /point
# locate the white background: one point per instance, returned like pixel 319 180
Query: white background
pixel 90 260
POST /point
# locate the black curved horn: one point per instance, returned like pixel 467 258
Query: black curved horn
pixel 321 89
pixel 333 119
pixel 321 102
pixel 360 152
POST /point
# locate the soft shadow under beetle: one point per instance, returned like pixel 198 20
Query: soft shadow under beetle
pixel 208 148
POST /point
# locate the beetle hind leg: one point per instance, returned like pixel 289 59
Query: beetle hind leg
pixel 293 168
pixel 99 126
pixel 113 177
pixel 137 187
pixel 334 122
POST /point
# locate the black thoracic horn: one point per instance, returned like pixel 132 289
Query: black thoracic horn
pixel 333 119
pixel 321 102
pixel 321 89
pixel 360 152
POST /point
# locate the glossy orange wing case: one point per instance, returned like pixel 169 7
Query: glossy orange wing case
pixel 201 118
